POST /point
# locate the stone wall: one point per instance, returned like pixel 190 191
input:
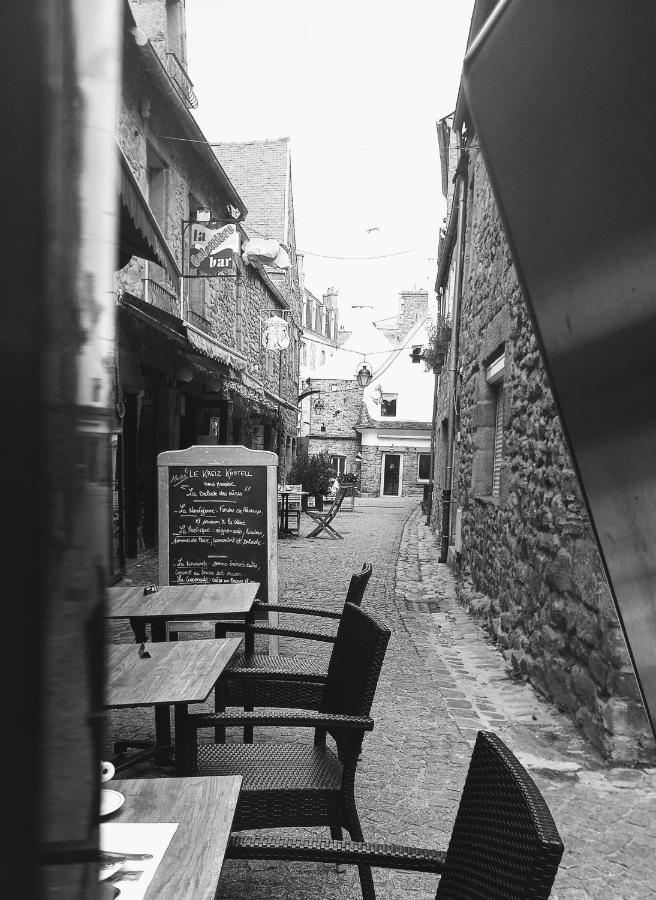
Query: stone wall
pixel 338 446
pixel 342 400
pixel 530 549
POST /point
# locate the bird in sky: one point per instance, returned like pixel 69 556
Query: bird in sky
pixel 375 228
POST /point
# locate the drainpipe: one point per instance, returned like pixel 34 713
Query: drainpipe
pixel 461 176
pixel 431 480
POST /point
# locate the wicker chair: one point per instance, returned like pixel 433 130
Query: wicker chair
pixel 248 680
pixel 294 784
pixel 504 844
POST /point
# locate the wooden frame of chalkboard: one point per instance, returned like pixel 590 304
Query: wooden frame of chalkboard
pixel 218 517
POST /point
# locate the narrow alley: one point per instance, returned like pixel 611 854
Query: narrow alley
pixel 442 680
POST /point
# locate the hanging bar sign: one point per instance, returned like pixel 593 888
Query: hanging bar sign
pixel 212 249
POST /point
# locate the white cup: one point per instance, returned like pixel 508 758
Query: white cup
pixel 107 771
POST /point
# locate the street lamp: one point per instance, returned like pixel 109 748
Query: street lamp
pixel 363 376
pixel 319 405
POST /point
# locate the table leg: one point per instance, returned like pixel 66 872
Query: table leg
pixel 162 713
pixel 158 630
pixel 185 741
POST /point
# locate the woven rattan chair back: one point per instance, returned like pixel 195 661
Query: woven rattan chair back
pixel 355 663
pixel 504 844
pixel 358 585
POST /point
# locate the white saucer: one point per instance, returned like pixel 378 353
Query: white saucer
pixel 110 801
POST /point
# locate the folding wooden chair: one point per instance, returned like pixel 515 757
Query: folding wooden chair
pixel 325 518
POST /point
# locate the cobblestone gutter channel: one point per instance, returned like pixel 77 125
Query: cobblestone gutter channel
pixel 442 680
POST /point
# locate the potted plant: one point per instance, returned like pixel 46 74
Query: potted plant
pixel 315 473
pixel 439 341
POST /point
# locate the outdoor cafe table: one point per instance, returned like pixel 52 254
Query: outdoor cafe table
pixel 186 601
pixel 173 602
pixel 176 673
pixel 204 808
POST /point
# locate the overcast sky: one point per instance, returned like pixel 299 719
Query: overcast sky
pixel 358 87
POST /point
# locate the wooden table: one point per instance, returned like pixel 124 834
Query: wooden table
pixel 204 809
pixel 283 509
pixel 187 601
pixel 177 673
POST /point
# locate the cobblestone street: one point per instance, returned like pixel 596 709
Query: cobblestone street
pixel 442 680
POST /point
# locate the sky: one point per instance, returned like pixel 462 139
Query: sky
pixel 358 87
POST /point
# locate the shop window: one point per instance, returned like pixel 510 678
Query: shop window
pixel 423 466
pixel 388 405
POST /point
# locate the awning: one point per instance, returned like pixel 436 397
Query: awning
pixel 140 234
pixel 561 96
pixel 211 348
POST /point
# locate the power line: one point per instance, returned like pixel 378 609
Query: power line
pixel 381 256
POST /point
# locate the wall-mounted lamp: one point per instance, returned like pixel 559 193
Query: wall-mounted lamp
pixel 363 376
pixel 319 405
pixel 183 372
pixel 323 427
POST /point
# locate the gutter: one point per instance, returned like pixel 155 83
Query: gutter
pixel 462 175
pixel 443 268
pixel 449 239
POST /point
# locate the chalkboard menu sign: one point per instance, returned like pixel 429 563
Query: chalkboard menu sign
pixel 218 517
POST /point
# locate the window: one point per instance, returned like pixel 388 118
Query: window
pixel 388 405
pixel 303 353
pixel 416 354
pixel 498 439
pixel 338 463
pixel 494 377
pixel 423 466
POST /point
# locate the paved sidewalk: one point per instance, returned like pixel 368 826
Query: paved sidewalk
pixel 442 680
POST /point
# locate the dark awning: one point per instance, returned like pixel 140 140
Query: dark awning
pixel 140 234
pixel 561 97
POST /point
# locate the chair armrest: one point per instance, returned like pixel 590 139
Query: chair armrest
pixel 295 718
pixel 244 672
pixel 386 856
pixel 300 610
pixel 282 632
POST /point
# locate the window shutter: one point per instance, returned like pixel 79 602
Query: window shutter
pixel 498 441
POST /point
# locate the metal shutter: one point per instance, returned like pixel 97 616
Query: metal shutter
pixel 498 441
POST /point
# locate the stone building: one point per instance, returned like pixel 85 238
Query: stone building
pixel 191 367
pixel 506 498
pixel 320 318
pixel 261 171
pixel 381 432
pixel 413 308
